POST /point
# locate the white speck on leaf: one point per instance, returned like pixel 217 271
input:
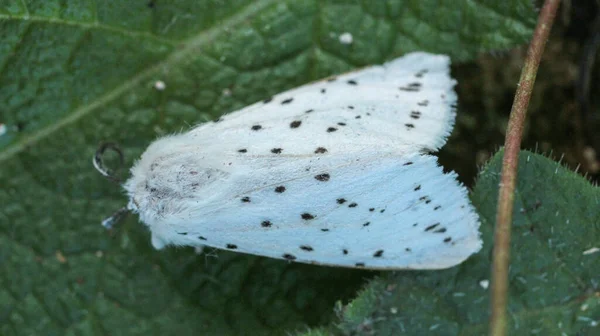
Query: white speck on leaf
pixel 60 257
pixel 484 284
pixel 346 38
pixel 591 251
pixel 160 85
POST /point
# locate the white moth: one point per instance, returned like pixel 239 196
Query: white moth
pixel 331 173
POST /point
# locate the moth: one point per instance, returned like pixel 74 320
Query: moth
pixel 336 172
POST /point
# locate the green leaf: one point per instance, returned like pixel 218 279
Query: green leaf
pixel 554 278
pixel 74 73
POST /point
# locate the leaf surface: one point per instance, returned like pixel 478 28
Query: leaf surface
pixel 74 73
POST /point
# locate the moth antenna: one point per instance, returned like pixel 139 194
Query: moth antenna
pixel 115 218
pixel 99 165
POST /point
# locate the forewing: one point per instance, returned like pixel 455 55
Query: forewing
pixel 408 101
pixel 379 212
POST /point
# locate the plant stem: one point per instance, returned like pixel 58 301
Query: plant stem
pixel 514 133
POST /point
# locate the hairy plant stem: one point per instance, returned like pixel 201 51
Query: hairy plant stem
pixel 514 134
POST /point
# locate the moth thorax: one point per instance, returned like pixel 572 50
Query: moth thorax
pixel 181 181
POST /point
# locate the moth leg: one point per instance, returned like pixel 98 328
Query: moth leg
pixel 157 242
pixel 115 218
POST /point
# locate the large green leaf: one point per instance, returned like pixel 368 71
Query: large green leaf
pixel 554 273
pixel 77 72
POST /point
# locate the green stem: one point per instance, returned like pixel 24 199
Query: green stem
pixel 514 134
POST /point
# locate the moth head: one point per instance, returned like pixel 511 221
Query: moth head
pixel 167 176
pixel 131 185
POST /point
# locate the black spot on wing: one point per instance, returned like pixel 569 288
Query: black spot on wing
pixel 306 248
pixel 201 238
pixel 287 101
pixel 280 189
pixel 322 177
pixel 231 246
pixel 341 200
pixel 268 100
pixel 307 216
pixel 352 205
pixel 266 223
pixel 421 73
pixel 276 150
pixel 352 82
pixel 256 127
pixel 431 227
pixel 295 124
pixel 331 129
pixel 246 199
pixel 243 150
pixel 320 150
pixel 288 256
pixel 411 87
pixel 378 254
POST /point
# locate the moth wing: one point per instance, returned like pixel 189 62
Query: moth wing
pixel 408 101
pixel 379 212
pixel 329 173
